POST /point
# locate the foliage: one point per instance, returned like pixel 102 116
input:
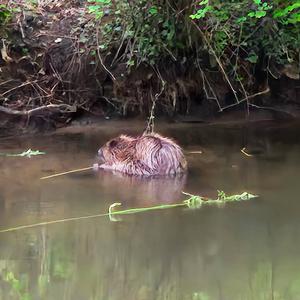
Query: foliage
pixel 5 17
pixel 5 14
pixel 197 201
pixel 153 31
pixel 251 30
pixel 147 30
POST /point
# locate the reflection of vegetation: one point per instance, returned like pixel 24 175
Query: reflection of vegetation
pixel 19 287
pixel 54 265
pixel 262 281
pixel 200 296
pixel 62 267
pixel 94 261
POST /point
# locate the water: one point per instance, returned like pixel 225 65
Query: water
pixel 244 251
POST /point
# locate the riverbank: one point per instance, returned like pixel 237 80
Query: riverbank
pixel 63 64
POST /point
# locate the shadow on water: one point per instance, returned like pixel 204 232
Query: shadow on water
pixel 242 251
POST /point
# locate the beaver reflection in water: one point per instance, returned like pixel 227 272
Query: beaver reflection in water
pixel 147 155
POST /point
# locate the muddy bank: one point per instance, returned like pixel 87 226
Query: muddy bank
pixel 53 74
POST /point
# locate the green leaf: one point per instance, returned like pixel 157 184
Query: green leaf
pixel 153 10
pixel 241 20
pixel 253 58
pixel 260 14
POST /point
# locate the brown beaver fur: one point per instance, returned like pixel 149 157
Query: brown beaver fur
pixel 149 154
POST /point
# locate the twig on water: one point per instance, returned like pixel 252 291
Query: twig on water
pixel 244 152
pixel 65 173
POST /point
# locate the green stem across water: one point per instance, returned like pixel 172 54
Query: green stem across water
pixel 193 202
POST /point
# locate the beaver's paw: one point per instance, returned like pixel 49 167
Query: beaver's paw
pixel 105 166
pixel 96 167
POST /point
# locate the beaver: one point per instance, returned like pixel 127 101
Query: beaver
pixel 146 155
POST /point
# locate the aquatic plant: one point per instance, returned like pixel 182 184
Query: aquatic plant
pixel 28 153
pixel 197 201
pixel 193 202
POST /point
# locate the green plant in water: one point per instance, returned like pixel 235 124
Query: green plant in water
pixel 197 201
pixel 28 153
pixel 193 202
pixel 200 296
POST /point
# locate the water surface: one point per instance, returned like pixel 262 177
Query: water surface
pixel 246 250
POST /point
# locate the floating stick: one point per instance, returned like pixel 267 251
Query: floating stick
pixel 244 152
pixel 64 173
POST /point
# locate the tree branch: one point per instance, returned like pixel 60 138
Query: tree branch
pixel 64 108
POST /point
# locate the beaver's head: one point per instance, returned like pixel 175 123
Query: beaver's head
pixel 117 150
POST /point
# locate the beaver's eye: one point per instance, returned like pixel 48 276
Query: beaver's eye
pixel 113 143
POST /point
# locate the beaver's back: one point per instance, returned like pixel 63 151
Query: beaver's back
pixel 160 154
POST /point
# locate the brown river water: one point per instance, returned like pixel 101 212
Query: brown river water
pixel 244 250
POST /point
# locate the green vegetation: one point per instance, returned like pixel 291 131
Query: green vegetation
pixel 5 17
pixel 28 153
pixel 240 34
pixel 5 14
pixel 251 31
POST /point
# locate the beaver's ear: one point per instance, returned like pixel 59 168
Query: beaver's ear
pixel 113 143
